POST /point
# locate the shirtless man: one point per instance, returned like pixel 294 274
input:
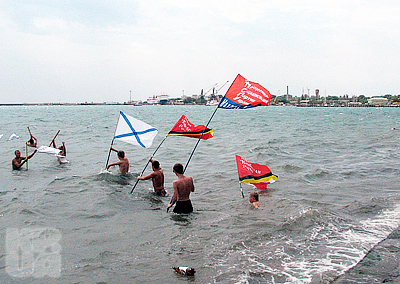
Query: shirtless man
pixel 123 162
pixel 32 142
pixel 183 186
pixel 18 161
pixel 157 177
pixel 253 199
pixel 62 148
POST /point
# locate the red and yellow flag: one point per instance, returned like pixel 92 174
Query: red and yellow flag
pixel 185 128
pixel 258 175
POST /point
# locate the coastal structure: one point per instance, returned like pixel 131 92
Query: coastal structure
pixel 378 101
pixel 159 99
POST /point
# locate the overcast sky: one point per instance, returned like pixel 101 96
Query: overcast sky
pixel 100 50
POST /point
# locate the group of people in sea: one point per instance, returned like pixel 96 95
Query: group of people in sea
pixel 183 186
pixel 19 160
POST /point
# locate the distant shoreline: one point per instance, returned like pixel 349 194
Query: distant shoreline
pixel 128 104
pixel 62 104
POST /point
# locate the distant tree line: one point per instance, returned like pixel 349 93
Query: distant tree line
pixel 286 99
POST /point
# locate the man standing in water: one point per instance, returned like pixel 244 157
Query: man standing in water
pixel 61 148
pixel 18 161
pixel 183 186
pixel 123 162
pixel 32 142
pixel 157 177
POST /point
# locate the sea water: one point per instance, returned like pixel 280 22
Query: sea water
pixel 336 196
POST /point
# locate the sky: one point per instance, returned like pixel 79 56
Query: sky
pixel 113 51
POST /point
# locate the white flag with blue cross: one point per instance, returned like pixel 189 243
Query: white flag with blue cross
pixel 134 131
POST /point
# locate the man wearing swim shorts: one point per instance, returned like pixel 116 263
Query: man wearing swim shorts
pixel 183 186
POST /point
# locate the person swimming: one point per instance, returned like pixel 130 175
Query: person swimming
pixel 253 199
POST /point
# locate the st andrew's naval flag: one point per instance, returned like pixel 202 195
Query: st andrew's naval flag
pixel 245 94
pixel 258 175
pixel 134 131
pixel 185 128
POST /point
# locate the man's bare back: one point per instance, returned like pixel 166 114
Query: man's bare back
pixel 123 162
pixel 123 166
pixel 157 177
pixel 184 186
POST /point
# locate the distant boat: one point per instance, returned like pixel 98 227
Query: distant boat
pixel 151 101
pixel 160 99
pixel 212 103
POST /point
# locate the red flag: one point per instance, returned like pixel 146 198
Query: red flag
pixel 245 94
pixel 185 128
pixel 255 174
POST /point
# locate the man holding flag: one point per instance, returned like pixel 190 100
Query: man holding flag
pixel 123 162
pixel 157 177
pixel 182 128
pixel 183 186
pixel 132 131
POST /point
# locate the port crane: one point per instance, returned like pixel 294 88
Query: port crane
pixel 212 87
pixel 216 91
pixel 277 95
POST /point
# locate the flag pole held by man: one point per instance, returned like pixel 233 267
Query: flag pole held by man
pixel 183 127
pixel 241 94
pixel 133 131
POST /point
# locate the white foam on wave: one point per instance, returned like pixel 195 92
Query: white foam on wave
pixel 344 249
pixel 104 171
pixel 384 224
pixel 327 252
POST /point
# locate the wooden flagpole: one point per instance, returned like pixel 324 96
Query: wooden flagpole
pixel 26 149
pixel 26 154
pixel 149 162
pixel 54 138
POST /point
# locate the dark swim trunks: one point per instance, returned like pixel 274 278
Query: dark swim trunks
pixel 183 207
pixel 161 192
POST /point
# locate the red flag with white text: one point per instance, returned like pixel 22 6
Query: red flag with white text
pixel 255 174
pixel 185 128
pixel 245 94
